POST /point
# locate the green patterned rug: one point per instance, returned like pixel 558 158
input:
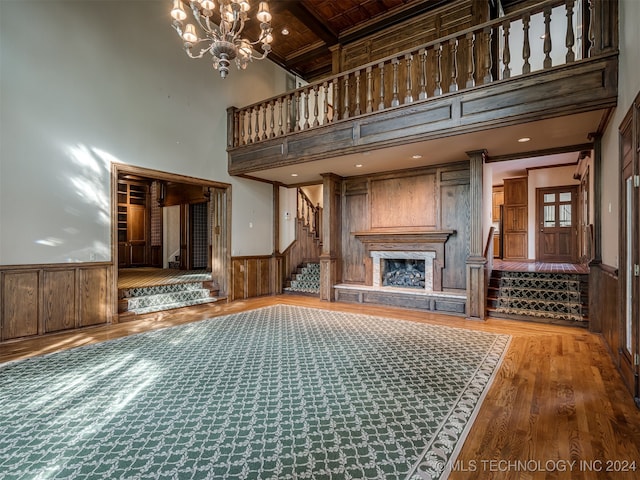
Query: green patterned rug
pixel 281 392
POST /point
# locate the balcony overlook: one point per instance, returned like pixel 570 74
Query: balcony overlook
pixel 547 71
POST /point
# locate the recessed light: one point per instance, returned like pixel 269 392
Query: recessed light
pixel 285 31
pixel 416 157
pixel 294 174
pixel 358 165
pixel 524 139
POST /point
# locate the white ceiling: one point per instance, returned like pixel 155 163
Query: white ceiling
pixel 546 134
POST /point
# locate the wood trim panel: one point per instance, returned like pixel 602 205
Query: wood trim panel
pixel 47 298
pixel 255 276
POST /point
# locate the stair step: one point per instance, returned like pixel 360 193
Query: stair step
pixel 159 289
pixel 307 280
pixel 166 298
pixel 170 306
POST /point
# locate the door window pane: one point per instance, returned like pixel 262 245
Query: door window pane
pixel 565 197
pixel 549 198
pixel 565 215
pixel 549 216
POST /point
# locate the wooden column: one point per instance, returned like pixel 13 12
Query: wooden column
pixel 476 296
pixel 330 271
pixel 275 267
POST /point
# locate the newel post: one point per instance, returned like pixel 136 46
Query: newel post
pixel 330 268
pixel 476 296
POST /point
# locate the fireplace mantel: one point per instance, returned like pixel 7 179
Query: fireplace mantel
pixel 396 239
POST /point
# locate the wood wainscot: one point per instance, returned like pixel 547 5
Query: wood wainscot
pixel 426 246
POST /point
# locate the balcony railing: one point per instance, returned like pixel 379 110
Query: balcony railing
pixel 543 36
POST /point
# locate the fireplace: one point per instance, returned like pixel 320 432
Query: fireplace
pixel 403 269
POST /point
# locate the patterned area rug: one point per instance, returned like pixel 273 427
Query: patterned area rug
pixel 281 392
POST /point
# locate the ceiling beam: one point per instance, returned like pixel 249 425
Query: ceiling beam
pixel 298 10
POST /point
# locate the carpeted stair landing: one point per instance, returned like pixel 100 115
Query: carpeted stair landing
pixel 157 298
pixel 306 281
pixel 554 297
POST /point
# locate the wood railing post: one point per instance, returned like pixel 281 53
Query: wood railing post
pixel 570 37
pixel 357 109
pixel 280 131
pixel 296 118
pixel 453 52
pixel 506 52
pixel 336 99
pixel 325 103
pixel 547 63
pixel 257 132
pixel 369 91
pixel 526 45
pixel 264 122
pixel 438 73
pixel 423 74
pixel 232 127
pixel 408 97
pixel 395 101
pixel 346 97
pixel 471 60
pixel 306 109
pixel 488 63
pixel 381 104
pixel 316 122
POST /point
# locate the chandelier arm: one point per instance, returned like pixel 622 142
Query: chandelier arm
pixel 199 55
pixel 197 18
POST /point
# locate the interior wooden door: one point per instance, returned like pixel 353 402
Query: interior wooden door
pixel 629 348
pixel 557 214
pixel 137 235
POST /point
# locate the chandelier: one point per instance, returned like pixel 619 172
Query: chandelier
pixel 222 40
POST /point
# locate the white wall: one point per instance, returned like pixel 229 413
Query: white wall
pixel 544 177
pixel 87 83
pixel 288 206
pixel 628 88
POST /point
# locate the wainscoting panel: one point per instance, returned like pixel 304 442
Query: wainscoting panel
pixel 59 300
pixel 255 276
pixel 604 310
pixel 40 299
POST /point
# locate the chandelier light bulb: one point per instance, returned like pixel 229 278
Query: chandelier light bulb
pixel 208 5
pixel 177 12
pixel 189 34
pixel 264 15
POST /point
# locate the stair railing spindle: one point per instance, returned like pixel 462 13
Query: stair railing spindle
pixel 395 101
pixel 381 103
pixel 570 38
pixel 453 50
pixel 471 60
pixel 506 53
pixel 548 63
pixel 423 74
pixel 438 73
pixel 526 46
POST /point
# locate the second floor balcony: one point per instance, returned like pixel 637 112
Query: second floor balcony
pixel 552 66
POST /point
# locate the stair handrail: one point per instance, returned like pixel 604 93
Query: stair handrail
pixel 308 213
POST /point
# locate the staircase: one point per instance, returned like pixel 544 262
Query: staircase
pixel 551 297
pixel 306 280
pixel 165 297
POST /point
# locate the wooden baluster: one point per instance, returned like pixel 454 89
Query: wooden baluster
pixel 296 118
pixel 257 132
pixel 249 132
pixel 408 97
pixel 369 91
pixel 570 38
pixel 236 129
pixel 506 52
pixel 346 97
pixel 381 104
pixel 395 101
pixel 592 28
pixel 453 50
pixel 547 63
pixel 280 131
pixel 423 74
pixel 264 122
pixel 272 121
pixel 526 46
pixel 357 110
pixel 471 60
pixel 336 100
pixel 242 139
pixel 306 110
pixel 315 106
pixel 488 76
pixel 438 73
pixel 325 103
pixel 289 98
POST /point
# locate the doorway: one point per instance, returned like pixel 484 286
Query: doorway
pixel 557 222
pixel 170 221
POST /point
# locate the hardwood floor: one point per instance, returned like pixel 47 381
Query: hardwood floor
pixel 557 398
